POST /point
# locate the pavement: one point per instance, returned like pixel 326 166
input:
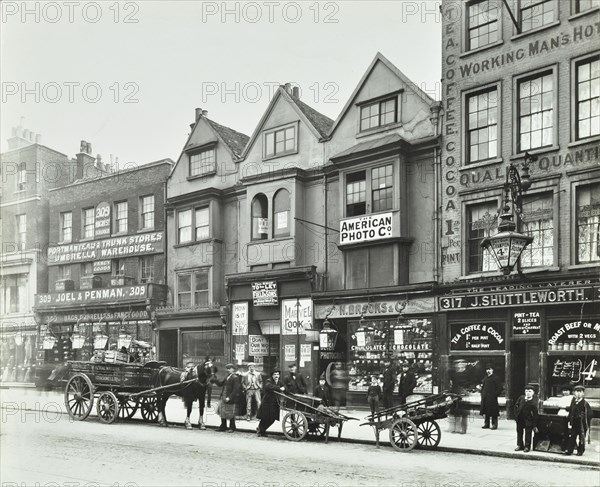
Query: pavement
pixel 478 441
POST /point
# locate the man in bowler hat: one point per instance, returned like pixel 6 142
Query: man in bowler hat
pixel 491 387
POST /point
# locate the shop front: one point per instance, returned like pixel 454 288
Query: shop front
pixel 544 333
pixel 74 325
pixel 271 321
pixel 369 332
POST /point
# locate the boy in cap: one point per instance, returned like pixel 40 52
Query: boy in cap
pixel 374 395
pixel 580 417
pixel 526 415
pixel 322 391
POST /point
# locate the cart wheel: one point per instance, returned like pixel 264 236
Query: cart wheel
pixel 316 430
pixel 127 407
pixel 149 408
pixel 295 426
pixel 79 397
pixel 107 407
pixel 403 434
pixel 428 434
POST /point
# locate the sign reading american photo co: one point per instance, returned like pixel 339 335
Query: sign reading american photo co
pixel 365 228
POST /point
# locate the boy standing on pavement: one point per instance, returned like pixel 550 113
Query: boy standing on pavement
pixel 580 417
pixel 374 394
pixel 526 414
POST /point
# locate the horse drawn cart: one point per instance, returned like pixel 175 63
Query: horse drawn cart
pixel 118 388
pixel 305 415
pixel 414 423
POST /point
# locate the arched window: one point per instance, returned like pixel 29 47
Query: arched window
pixel 281 213
pixel 260 217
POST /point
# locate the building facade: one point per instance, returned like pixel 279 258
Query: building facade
pixel 106 264
pixel 29 171
pixel 521 80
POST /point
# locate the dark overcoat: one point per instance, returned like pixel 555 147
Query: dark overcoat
pixel 295 383
pixel 526 412
pixel 269 407
pixel 231 388
pixel 491 388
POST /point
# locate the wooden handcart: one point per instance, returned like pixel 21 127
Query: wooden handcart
pixel 118 388
pixel 306 416
pixel 413 424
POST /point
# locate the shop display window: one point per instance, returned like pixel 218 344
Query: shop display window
pixel 18 358
pixel 474 372
pixel 197 345
pixel 408 340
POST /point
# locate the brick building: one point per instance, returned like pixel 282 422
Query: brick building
pixel 29 171
pixel 522 77
pixel 105 257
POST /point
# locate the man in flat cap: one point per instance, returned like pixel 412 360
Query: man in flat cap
pixel 252 384
pixel 231 388
pixel 580 418
pixel 294 382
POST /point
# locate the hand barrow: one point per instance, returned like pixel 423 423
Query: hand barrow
pixel 305 415
pixel 413 424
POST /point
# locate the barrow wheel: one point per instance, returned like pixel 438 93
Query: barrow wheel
pixel 79 397
pixel 295 426
pixel 403 434
pixel 107 407
pixel 149 409
pixel 316 430
pixel 127 407
pixel 428 434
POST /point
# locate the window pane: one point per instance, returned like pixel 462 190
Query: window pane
pixel 356 269
pixel 537 222
pixel 588 98
pixel 482 125
pixel 536 112
pixel 356 194
pixel 588 223
pixel 184 225
pixel 482 222
pixel 202 223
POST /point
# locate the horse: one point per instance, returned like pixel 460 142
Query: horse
pixel 189 392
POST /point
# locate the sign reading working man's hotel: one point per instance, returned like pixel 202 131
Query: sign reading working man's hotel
pixel 365 228
pixel 131 245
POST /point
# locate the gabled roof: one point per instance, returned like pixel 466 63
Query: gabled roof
pixel 382 59
pixel 236 141
pixel 233 140
pixel 317 123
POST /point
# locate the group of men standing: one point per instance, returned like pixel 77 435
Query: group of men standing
pixel 392 377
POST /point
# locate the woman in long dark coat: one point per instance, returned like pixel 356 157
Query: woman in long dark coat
pixel 268 412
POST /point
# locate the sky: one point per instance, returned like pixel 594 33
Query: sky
pixel 127 76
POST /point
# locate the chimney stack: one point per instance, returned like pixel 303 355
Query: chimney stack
pixel 204 113
pixel 296 92
pixel 198 114
pixel 38 138
pixel 287 88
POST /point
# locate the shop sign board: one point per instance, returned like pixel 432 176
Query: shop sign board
pixel 289 352
pixel 265 293
pixel 240 352
pixel 576 335
pixel 102 220
pixel 296 316
pixel 101 266
pixel 365 308
pixel 259 346
pixel 477 336
pixel 305 353
pixel 574 370
pixel 527 323
pixel 528 297
pixel 108 248
pixel 366 228
pixel 239 314
pixel 92 296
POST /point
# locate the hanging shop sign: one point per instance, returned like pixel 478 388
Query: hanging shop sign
pixel 120 247
pixel 296 316
pixel 102 220
pixel 477 336
pixel 529 297
pixel 258 346
pixel 92 296
pixel 527 323
pixel 265 293
pixel 574 335
pixel 239 314
pixel 366 228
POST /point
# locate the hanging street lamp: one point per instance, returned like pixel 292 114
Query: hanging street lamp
pixel 508 244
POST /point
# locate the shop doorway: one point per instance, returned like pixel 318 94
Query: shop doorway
pixel 525 366
pixel 167 347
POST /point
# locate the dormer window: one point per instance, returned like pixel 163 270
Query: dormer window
pixel 379 113
pixel 280 141
pixel 203 162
